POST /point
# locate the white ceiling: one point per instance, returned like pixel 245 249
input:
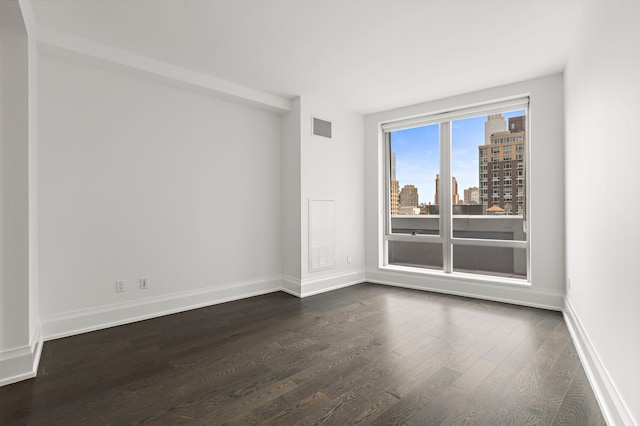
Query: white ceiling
pixel 362 55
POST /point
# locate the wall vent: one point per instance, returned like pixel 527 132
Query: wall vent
pixel 321 127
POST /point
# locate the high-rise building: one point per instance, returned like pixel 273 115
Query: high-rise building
pixel 495 124
pixel 517 124
pixel 503 168
pixel 395 196
pixel 408 196
pixel 395 187
pixel 472 195
pixel 393 165
pixel 455 198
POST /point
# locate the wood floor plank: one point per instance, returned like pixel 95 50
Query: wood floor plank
pixel 437 357
pixel 376 405
pixel 408 406
pixel 366 354
pixel 343 409
pixel 543 406
pixel 577 407
pixel 509 403
pixel 314 405
pixel 253 416
pixel 445 404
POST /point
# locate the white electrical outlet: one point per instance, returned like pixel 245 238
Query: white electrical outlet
pixel 120 286
pixel 144 283
pixel 348 259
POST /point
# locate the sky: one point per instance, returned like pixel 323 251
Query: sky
pixel 418 156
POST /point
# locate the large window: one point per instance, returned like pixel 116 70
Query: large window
pixel 443 212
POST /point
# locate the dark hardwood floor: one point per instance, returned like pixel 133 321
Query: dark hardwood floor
pixel 366 354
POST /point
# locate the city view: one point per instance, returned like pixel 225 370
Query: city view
pixel 488 167
pixel 488 196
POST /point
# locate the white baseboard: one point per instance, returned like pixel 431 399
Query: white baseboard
pixel 21 363
pixel 479 289
pixel 100 317
pixel 291 285
pixel 321 284
pixel 612 405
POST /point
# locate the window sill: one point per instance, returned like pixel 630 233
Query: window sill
pixel 460 276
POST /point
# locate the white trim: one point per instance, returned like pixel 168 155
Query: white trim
pixel 445 218
pixel 100 317
pixel 445 237
pixel 466 277
pixel 476 287
pixel 478 242
pixel 291 285
pixel 26 8
pixel 323 284
pixel 613 407
pixel 21 363
pixel 458 113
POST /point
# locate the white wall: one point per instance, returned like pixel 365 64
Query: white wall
pixel 318 168
pixel 34 237
pixel 546 197
pixel 14 186
pixel 291 204
pixel 333 169
pixel 20 341
pixel 138 179
pixel 602 152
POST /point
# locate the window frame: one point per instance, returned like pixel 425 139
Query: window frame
pixel 445 236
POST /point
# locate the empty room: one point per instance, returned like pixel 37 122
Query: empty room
pixel 319 212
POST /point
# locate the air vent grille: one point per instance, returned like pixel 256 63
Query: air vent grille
pixel 321 127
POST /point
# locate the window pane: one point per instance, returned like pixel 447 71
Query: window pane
pixel 497 261
pixel 421 255
pixel 488 193
pixel 414 170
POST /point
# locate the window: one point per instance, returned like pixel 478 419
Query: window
pixel 438 160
